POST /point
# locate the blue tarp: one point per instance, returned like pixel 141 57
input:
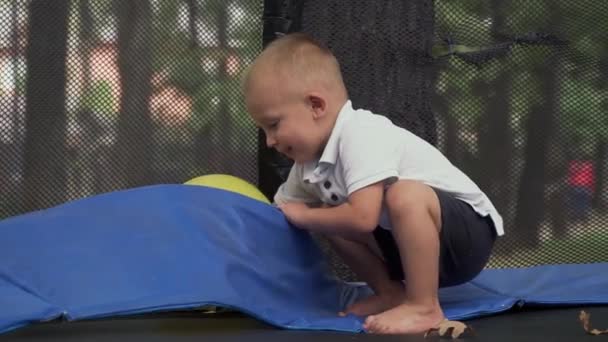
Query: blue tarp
pixel 169 247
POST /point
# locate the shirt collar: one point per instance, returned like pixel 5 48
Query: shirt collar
pixel 314 171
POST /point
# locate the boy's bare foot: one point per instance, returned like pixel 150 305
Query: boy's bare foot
pixel 376 303
pixel 405 319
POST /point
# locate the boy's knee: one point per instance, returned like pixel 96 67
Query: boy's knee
pixel 407 196
pixel 404 194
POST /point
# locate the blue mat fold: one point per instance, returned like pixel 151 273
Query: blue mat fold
pixel 497 290
pixel 171 247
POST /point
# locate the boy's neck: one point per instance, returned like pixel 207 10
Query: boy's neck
pixel 332 118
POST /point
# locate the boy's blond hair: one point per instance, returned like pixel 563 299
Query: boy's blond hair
pixel 298 60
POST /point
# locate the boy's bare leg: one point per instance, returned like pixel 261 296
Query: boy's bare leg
pixel 369 267
pixel 415 215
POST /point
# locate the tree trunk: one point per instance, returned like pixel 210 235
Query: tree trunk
pixel 16 51
pixel 45 149
pixel 217 139
pixel 441 107
pixel 193 15
pixel 11 140
pixel 495 137
pixel 541 133
pixel 601 155
pixel 601 172
pixel 81 178
pixel 540 130
pixel 495 146
pixel 133 150
pixel 225 128
pixel 86 39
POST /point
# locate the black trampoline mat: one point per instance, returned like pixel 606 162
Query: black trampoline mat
pixel 556 324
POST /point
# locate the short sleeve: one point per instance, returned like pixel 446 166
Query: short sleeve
pixel 293 190
pixel 370 153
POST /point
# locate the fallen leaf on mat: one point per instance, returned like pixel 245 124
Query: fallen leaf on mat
pixel 453 329
pixel 584 317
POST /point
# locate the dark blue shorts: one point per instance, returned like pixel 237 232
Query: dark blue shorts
pixel 466 242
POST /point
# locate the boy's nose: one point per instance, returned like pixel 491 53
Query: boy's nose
pixel 270 141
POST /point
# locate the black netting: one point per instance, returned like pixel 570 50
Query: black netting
pixel 101 95
pixel 129 93
pixel 513 92
pixel 522 99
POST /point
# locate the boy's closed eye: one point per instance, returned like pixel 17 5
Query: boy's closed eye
pixel 269 124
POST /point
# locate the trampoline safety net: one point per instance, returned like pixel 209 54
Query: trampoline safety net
pixel 102 95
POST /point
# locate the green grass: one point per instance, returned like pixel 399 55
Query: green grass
pixel 589 247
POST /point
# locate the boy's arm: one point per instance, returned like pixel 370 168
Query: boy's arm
pixel 360 214
pixel 293 191
pixel 370 155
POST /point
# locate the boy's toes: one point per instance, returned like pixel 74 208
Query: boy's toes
pixel 370 324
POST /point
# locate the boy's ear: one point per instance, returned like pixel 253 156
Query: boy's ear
pixel 317 104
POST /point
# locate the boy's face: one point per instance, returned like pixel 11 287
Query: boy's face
pixel 289 121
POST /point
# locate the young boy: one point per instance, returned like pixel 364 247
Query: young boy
pixel 402 217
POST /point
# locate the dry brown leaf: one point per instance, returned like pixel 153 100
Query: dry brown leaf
pixel 585 318
pixel 453 329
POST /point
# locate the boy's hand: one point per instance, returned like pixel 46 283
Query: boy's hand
pixel 295 213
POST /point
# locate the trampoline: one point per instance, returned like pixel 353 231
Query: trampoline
pixel 174 249
pixel 555 324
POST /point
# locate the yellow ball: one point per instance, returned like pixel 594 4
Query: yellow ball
pixel 230 183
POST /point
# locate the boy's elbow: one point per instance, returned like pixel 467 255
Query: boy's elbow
pixel 363 220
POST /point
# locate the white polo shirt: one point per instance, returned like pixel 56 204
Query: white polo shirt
pixel 365 148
